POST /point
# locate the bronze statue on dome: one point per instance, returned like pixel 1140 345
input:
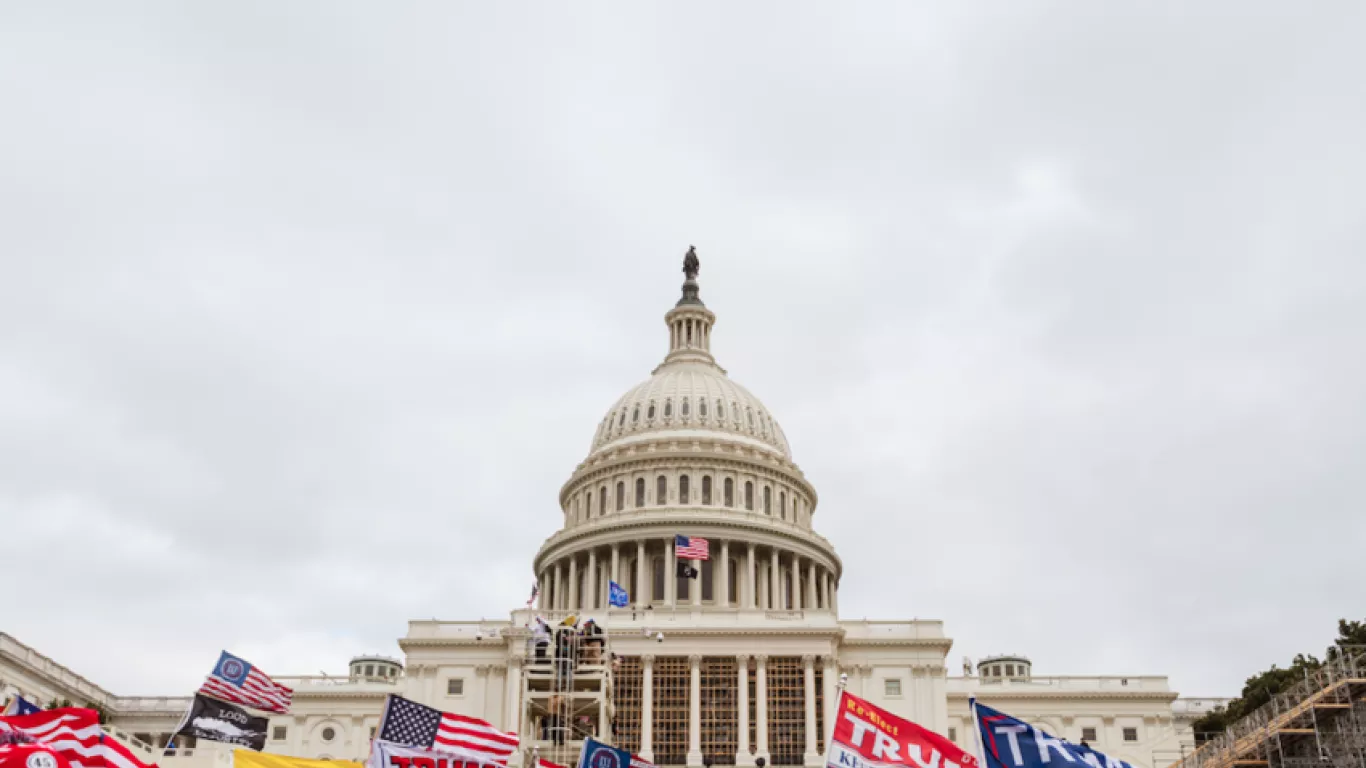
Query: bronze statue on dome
pixel 690 263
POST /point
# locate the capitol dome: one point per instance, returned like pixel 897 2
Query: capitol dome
pixel 689 455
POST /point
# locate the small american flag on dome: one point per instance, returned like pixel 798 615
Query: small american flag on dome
pixel 691 548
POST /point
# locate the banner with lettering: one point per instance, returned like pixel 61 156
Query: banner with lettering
pixel 220 721
pixel 1008 742
pixel 867 736
pixel 387 754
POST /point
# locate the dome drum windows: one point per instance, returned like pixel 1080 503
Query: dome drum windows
pixel 702 407
pixel 668 408
pixel 683 408
pixel 683 489
pixel 706 489
pixel 621 496
pixel 720 410
pixel 640 492
pixel 729 486
pixel 650 412
pixel 661 491
pixel 749 495
pixel 768 500
pixel 635 415
pixel 602 501
pixel 782 505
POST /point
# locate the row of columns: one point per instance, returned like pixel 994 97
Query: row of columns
pixel 743 754
pixel 819 593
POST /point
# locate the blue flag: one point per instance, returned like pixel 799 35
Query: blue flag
pixel 617 596
pixel 1011 743
pixel 21 706
pixel 595 754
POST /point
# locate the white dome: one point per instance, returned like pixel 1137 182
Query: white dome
pixel 690 400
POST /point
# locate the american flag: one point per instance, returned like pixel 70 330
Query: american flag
pixel 535 590
pixel 236 681
pixel 690 548
pixel 418 725
pixel 73 733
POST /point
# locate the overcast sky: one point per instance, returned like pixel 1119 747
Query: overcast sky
pixel 307 310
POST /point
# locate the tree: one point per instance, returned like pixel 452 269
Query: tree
pixel 99 710
pixel 1261 688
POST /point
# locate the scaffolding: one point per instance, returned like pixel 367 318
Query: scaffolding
pixel 1319 722
pixel 567 692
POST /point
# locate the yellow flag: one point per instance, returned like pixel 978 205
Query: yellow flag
pixel 245 758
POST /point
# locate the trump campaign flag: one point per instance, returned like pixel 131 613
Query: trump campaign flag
pixel 867 736
pixel 237 681
pixel 72 733
pixel 1010 743
pixel 387 754
pixel 30 756
pixel 595 754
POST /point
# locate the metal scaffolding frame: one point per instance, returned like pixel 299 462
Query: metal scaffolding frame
pixel 567 695
pixel 1318 722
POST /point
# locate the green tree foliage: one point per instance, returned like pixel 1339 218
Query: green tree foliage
pixel 104 715
pixel 1260 688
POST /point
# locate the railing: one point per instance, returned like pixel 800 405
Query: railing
pixel 123 705
pixel 84 689
pixel 1062 683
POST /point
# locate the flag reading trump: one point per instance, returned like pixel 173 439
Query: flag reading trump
pixel 867 736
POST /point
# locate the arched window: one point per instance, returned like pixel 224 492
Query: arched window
pixel 640 492
pixel 720 410
pixel 749 495
pixel 635 415
pixel 702 407
pixel 602 500
pixel 768 500
pixel 705 576
pixel 729 492
pixel 661 491
pixel 749 413
pixel 621 496
pixel 782 504
pixel 683 407
pixel 650 412
pixel 706 489
pixel 683 489
pixel 622 423
pixel 668 408
pixel 734 410
pixel 657 579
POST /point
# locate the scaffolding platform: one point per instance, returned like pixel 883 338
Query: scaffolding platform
pixel 1320 722
pixel 566 693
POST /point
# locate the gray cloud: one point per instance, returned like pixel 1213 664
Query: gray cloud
pixel 1059 307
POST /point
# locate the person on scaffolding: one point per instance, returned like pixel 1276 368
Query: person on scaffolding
pixel 566 647
pixel 540 638
pixel 592 642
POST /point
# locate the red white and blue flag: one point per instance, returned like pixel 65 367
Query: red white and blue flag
pixel 72 733
pixel 236 681
pixel 691 548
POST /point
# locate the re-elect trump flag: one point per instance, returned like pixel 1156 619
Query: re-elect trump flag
pixel 867 736
pixel 595 754
pixel 387 754
pixel 1011 743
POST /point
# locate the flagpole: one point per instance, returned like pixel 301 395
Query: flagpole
pixel 834 721
pixel 977 732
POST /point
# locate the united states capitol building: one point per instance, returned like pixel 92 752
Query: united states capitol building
pixel 742 662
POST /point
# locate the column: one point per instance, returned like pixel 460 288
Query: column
pixel 761 706
pixel 830 690
pixel 590 587
pixel 775 584
pixel 513 699
pixel 721 581
pixel 812 603
pixel 647 707
pixel 642 586
pixel 751 593
pixel 542 583
pixel 573 591
pixel 616 564
pixel 834 595
pixel 824 596
pixel 695 712
pixel 742 755
pixel 670 574
pixel 696 590
pixel 560 600
pixel 796 584
pixel 809 669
